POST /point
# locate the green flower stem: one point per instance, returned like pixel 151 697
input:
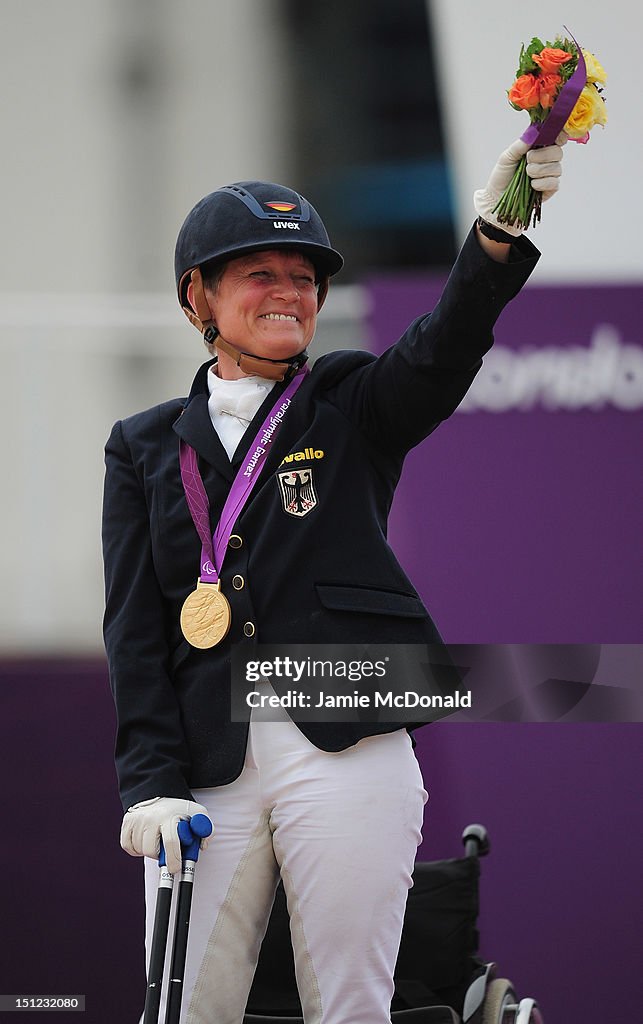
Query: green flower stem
pixel 519 201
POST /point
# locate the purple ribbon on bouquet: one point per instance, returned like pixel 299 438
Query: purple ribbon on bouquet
pixel 213 548
pixel 546 132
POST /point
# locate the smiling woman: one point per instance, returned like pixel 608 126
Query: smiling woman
pixel 272 484
pixel 235 222
pixel 265 304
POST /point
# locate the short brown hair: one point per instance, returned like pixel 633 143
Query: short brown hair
pixel 211 274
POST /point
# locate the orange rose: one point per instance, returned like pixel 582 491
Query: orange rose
pixel 548 87
pixel 549 60
pixel 525 93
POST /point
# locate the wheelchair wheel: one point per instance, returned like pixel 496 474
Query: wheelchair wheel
pixel 500 1003
pixel 528 1012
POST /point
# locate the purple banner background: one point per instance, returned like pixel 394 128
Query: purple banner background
pixel 525 526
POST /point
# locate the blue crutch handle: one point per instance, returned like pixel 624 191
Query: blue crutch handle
pixel 190 835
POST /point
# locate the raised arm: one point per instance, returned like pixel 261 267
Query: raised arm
pixel 398 399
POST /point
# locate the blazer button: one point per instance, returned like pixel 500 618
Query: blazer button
pixel 238 582
pixel 249 628
pixel 235 541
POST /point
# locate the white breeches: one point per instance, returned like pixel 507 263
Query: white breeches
pixel 342 830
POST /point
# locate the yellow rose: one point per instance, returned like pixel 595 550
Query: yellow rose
pixel 589 110
pixel 595 70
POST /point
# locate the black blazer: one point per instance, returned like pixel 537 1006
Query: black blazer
pixel 327 576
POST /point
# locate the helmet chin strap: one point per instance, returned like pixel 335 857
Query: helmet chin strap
pixel 271 369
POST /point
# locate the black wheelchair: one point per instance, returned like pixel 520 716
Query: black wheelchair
pixel 439 977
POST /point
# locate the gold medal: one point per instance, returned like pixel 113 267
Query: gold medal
pixel 205 616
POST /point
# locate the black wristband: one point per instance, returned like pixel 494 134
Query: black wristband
pixel 494 233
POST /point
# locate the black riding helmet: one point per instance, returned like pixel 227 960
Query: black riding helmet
pixel 246 217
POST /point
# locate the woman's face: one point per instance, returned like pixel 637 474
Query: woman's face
pixel 266 303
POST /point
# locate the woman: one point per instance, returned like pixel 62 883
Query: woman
pixel 270 487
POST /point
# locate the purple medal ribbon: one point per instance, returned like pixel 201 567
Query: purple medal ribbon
pixel 546 133
pixel 213 548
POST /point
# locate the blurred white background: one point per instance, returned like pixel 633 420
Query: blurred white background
pixel 593 232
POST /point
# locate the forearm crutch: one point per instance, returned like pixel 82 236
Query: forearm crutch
pixel 190 835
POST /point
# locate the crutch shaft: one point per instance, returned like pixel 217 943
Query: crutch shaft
pixel 159 945
pixel 180 945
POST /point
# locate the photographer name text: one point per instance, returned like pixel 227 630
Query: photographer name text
pixel 388 699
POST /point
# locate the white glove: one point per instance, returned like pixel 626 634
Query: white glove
pixel 145 824
pixel 544 167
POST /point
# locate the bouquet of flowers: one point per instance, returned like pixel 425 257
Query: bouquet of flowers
pixel 561 86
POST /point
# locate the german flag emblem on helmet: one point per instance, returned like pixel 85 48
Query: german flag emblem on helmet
pixel 281 207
